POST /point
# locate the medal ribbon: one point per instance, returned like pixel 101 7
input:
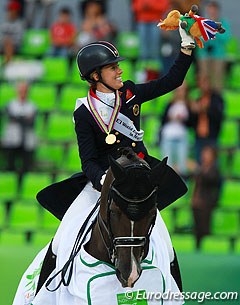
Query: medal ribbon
pixel 97 117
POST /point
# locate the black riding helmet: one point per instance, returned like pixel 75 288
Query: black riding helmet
pixel 94 56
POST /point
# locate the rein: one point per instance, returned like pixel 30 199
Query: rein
pixel 67 270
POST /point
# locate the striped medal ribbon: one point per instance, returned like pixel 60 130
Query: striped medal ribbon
pixel 110 138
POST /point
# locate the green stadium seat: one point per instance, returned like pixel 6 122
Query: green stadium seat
pixel 232 98
pixel 225 222
pixel 230 195
pixel 49 156
pixel 183 221
pixel 74 77
pixel 229 134
pixel 72 162
pixel 128 44
pixel 41 126
pixel 36 42
pixel 150 125
pixel 183 242
pixel 44 96
pixel 7 93
pixel 235 170
pixel 8 185
pixel 31 216
pixel 32 183
pixel 10 238
pixel 25 215
pixel 60 128
pixel 5 212
pixel 68 96
pixel 232 49
pixel 55 70
pixel 127 68
pixel 233 78
pixel 2 214
pixel 215 244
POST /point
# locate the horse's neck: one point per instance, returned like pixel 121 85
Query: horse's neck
pixel 95 247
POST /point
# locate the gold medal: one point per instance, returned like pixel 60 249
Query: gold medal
pixel 110 138
pixel 136 109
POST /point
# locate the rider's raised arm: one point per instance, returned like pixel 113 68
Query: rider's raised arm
pixel 173 79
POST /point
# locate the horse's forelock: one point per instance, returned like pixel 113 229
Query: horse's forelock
pixel 137 183
pixel 135 175
pixel 135 180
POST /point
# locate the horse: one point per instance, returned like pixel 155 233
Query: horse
pixel 118 234
pixel 127 215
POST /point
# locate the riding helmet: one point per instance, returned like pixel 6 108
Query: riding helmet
pixel 96 55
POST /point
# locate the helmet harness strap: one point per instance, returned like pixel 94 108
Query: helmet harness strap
pixel 99 73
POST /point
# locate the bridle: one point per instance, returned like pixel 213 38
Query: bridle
pixel 112 243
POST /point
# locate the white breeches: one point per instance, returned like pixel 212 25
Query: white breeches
pixel 77 212
pixel 80 209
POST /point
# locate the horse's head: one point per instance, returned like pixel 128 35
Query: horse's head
pixel 127 213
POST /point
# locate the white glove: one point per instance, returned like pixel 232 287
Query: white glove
pixel 102 179
pixel 187 40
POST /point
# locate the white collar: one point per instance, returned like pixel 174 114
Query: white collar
pixel 108 98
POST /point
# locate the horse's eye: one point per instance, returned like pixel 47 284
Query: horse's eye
pixel 115 211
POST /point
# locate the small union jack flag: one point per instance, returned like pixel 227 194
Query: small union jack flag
pixel 208 27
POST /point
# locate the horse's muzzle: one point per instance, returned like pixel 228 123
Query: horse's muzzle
pixel 129 282
pixel 128 275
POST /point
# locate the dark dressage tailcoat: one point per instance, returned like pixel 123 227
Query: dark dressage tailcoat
pixel 94 151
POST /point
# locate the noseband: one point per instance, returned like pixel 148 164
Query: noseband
pixel 135 209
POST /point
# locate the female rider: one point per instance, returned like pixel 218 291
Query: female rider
pixel 107 119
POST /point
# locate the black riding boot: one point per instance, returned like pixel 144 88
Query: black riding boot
pixel 175 271
pixel 49 264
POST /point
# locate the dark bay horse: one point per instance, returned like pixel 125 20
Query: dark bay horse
pixel 127 215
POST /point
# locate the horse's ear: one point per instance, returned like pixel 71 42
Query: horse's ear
pixel 159 170
pixel 117 169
